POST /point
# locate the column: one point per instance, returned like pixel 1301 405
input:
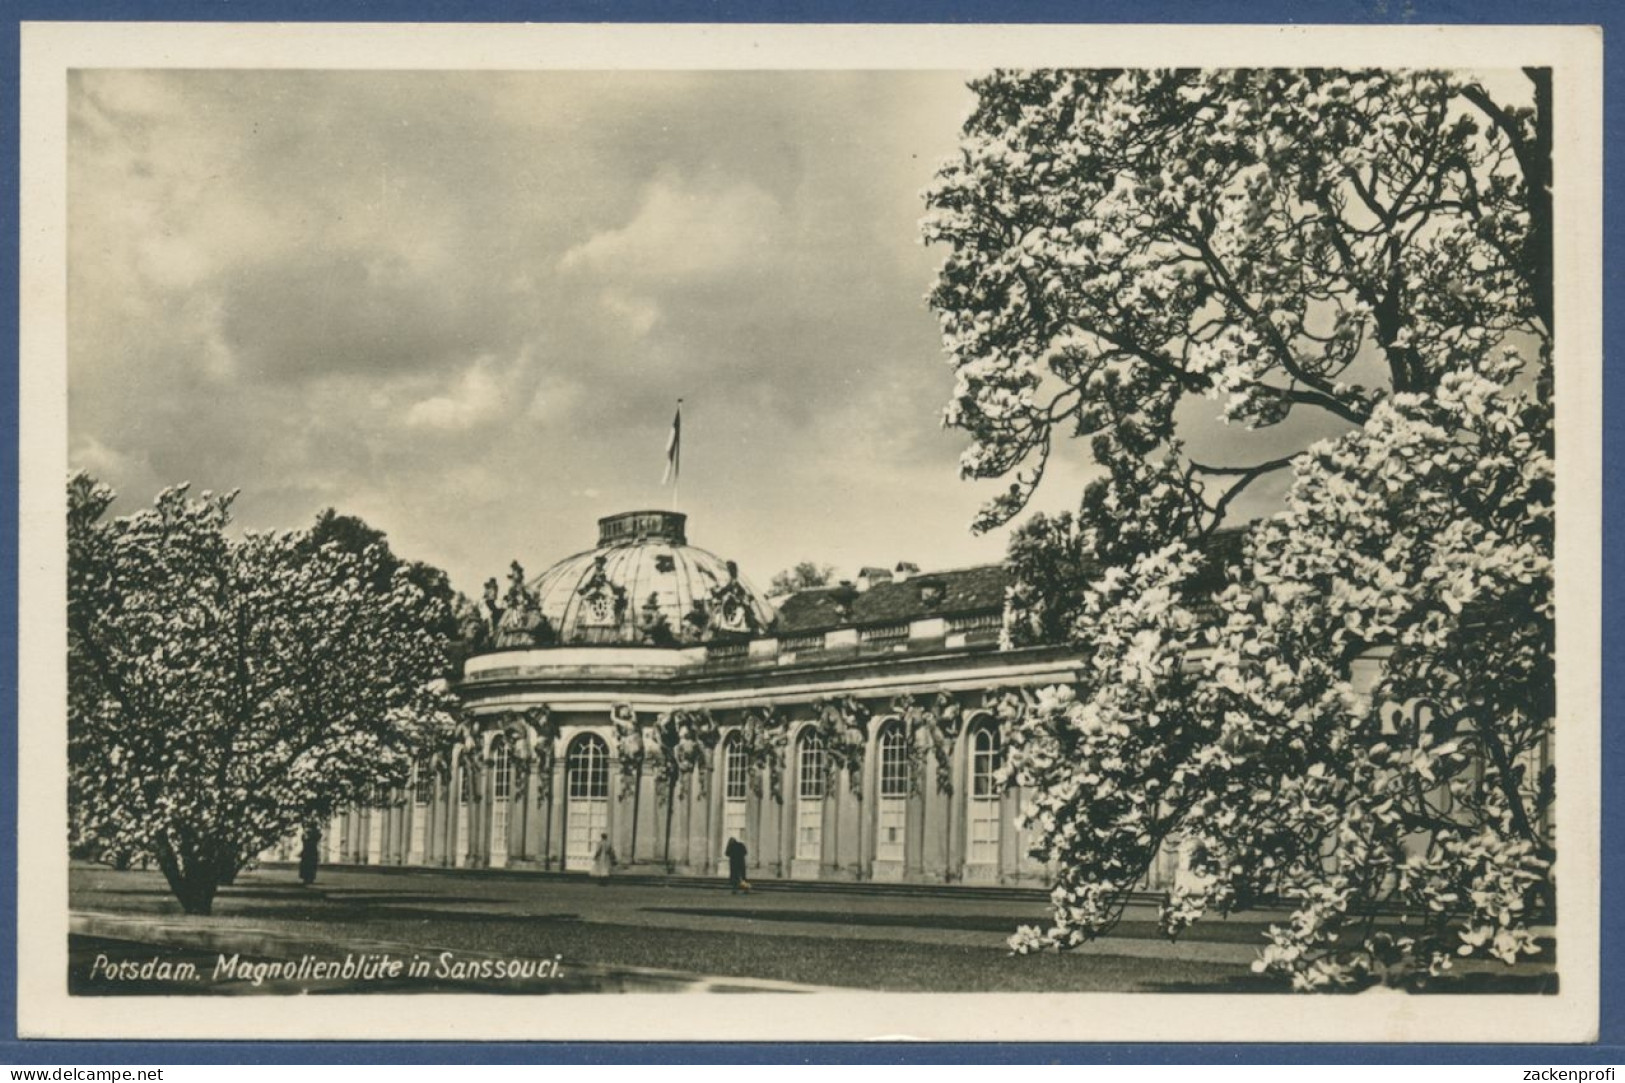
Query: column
pixel 756 827
pixel 522 817
pixel 914 827
pixel 954 821
pixel 621 820
pixel 554 856
pixel 1009 845
pixel 829 828
pixel 651 821
pixel 854 811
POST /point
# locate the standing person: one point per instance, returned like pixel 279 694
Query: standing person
pixel 603 859
pixel 310 852
pixel 736 852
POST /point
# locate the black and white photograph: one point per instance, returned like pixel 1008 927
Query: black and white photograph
pixel 1051 534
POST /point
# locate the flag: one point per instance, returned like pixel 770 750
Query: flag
pixel 674 445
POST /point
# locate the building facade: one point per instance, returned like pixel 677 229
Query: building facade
pixel 643 693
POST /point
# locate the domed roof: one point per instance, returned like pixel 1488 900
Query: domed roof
pixel 645 585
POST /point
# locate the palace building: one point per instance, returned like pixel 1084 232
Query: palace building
pixel 644 690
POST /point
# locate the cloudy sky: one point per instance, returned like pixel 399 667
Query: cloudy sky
pixel 462 306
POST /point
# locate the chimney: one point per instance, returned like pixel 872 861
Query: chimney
pixel 868 577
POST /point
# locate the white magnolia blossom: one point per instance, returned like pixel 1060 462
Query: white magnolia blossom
pixel 1345 707
pixel 226 692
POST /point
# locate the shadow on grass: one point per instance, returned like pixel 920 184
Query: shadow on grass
pixel 970 922
pixel 1214 932
pixel 345 896
pixel 1464 984
pixel 365 914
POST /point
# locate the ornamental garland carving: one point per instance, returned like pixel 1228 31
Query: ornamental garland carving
pixel 842 723
pixel 532 742
pixel 696 736
pixel 764 738
pixel 1009 706
pixel 629 746
pixel 930 730
pixel 675 749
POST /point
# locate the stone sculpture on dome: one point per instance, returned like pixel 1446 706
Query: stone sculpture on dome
pixel 605 604
pixel 696 622
pixel 732 606
pixel 521 623
pixel 653 624
pixel 643 584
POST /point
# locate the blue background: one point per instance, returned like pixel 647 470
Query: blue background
pixel 1611 16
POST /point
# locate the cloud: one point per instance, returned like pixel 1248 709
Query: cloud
pixel 100 461
pixel 474 400
pixel 635 315
pixel 463 303
pixel 355 311
pixel 685 231
pixel 555 398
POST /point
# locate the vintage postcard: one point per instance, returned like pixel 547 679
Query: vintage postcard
pixel 965 533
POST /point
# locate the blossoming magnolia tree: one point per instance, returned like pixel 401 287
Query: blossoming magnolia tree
pixel 1349 713
pixel 224 691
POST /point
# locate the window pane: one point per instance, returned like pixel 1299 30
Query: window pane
pixel 985 760
pixel 502 771
pixel 735 771
pixel 893 763
pixel 810 755
pixel 587 768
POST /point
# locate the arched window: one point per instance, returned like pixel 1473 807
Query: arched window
pixel 501 770
pixel 983 822
pixel 501 798
pixel 810 767
pixel 735 784
pixel 586 789
pixel 586 769
pixel 986 759
pixel 735 771
pixel 810 798
pixel 891 815
pixel 464 810
pixel 893 762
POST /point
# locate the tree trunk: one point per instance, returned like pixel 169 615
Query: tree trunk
pixel 197 893
pixel 194 884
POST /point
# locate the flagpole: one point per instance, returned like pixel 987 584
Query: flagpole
pixel 674 454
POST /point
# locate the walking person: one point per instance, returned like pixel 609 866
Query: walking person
pixel 310 852
pixel 603 860
pixel 735 852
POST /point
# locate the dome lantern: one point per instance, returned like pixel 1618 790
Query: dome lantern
pixel 632 527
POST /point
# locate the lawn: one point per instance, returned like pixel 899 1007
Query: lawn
pixel 896 944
